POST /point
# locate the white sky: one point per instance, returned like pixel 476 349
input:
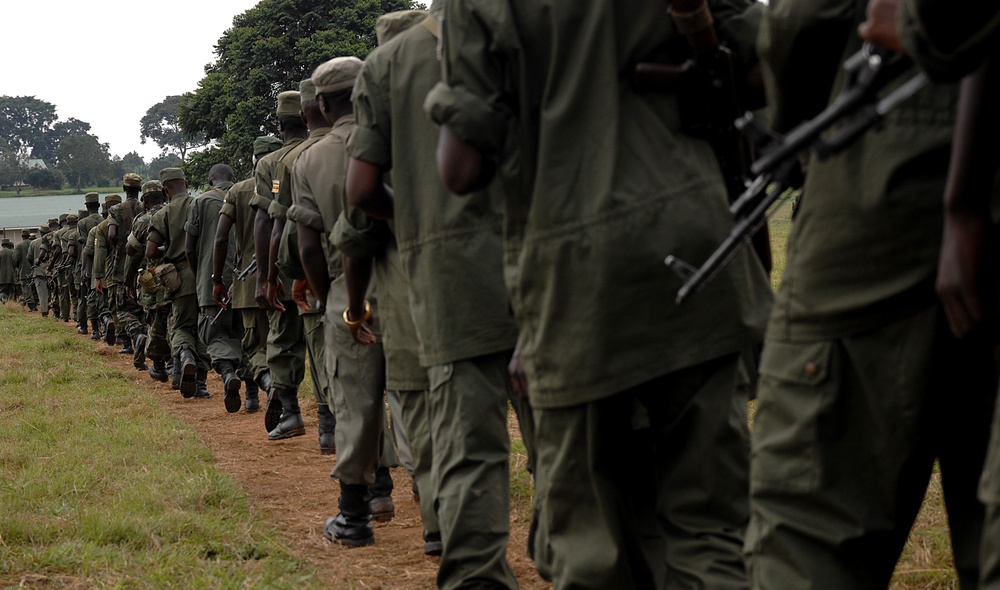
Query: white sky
pixel 107 61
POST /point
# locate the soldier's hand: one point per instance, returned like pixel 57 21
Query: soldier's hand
pixel 362 333
pixel 962 282
pixel 515 368
pixel 260 295
pixel 880 26
pixel 99 287
pixel 301 289
pixel 219 292
pixel 275 294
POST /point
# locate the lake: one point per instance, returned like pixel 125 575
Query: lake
pixel 16 212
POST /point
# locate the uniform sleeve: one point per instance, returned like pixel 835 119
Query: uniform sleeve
pixel 358 236
pixel 467 99
pixel 262 180
pixel 278 207
pixel 949 38
pixel 801 45
pixel 193 223
pixel 158 228
pixel 370 140
pixel 305 208
pixel 100 254
pixel 288 253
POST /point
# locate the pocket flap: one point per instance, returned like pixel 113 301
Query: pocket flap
pixel 807 363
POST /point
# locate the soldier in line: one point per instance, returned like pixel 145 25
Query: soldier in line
pixel 92 201
pixel 7 271
pixel 286 350
pixel 121 292
pixel 166 243
pixel 220 330
pixel 22 267
pixel 37 254
pixel 156 345
pixel 236 223
pixel 104 272
pixel 62 266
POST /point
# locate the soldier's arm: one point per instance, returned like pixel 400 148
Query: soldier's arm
pixel 219 254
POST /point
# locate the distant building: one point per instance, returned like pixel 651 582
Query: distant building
pixel 35 164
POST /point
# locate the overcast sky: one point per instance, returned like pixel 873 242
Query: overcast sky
pixel 107 61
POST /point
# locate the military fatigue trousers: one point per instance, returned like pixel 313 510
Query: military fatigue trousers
pixel 255 329
pixel 125 311
pixel 222 339
pixel 844 442
pixel 42 289
pixel 286 348
pixel 415 422
pixel 158 343
pixel 184 323
pixel 312 326
pixel 65 296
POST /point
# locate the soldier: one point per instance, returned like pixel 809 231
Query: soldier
pixel 466 355
pixel 7 274
pixel 37 254
pixel 286 349
pixel 104 269
pixel 92 201
pixel 237 217
pixel 121 293
pixel 859 368
pixel 641 447
pixel 166 242
pixel 60 269
pixel 221 334
pixel 23 268
pixel 50 244
pixel 155 344
pixel 97 305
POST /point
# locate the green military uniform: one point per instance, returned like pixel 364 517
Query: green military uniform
pixel 124 307
pixel 639 441
pixel 859 366
pixel 255 323
pixel 7 271
pixel 61 240
pixel 22 267
pixel 167 229
pixel 466 353
pixel 84 227
pixel 222 338
pixel 157 312
pixel 286 351
pixel 948 40
pixel 36 253
pixel 101 270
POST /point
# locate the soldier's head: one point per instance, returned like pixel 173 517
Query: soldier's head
pixel 93 202
pixel 53 224
pixel 334 81
pixel 71 220
pixel 264 145
pixel 310 108
pixel 63 219
pixel 132 185
pixel 7 243
pixel 109 202
pixel 152 194
pixel 289 113
pixel 25 233
pixel 174 182
pixel 220 173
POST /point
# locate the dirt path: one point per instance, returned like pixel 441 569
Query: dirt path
pixel 290 482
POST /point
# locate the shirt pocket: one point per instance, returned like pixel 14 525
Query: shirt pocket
pixel 797 386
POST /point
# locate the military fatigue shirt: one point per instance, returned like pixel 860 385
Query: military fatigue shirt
pixel 202 221
pixel 949 38
pixel 237 207
pixel 122 216
pixel 101 253
pixel 278 209
pixel 451 248
pixel 864 247
pixel 83 227
pixel 34 253
pixel 166 228
pixel 90 249
pixel 608 187
pixel 7 266
pixel 21 259
pixel 268 185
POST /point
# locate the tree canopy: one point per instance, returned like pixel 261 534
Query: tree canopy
pixel 161 125
pixel 269 49
pixel 25 120
pixel 83 159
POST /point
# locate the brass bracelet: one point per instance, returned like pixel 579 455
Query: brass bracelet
pixel 355 323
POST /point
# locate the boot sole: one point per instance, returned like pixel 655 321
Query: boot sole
pixel 328 450
pixel 109 335
pixel 383 516
pixel 232 399
pixel 272 412
pixel 188 386
pixel 297 431
pixel 345 541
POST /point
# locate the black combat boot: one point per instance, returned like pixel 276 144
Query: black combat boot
pixel 158 372
pixel 139 354
pixel 187 367
pixel 109 331
pixel 379 496
pixel 327 428
pixel 95 330
pixel 252 403
pixel 352 527
pixel 272 411
pixel 126 345
pixel 81 328
pixel 201 385
pixel 291 423
pixel 232 385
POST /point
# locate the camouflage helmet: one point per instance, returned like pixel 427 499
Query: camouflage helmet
pixel 151 186
pixel 132 179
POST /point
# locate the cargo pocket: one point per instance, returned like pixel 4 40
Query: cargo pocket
pixel 795 388
pixel 438 375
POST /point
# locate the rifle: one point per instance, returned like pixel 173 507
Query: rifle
pixel 777 171
pixel 240 276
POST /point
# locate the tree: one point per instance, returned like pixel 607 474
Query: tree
pixel 45 148
pixel 24 120
pixel 83 158
pixel 270 48
pixel 46 178
pixel 161 125
pixel 13 160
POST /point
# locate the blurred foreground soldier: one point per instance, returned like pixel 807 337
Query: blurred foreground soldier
pixel 155 345
pixel 641 444
pixel 220 330
pixel 121 294
pixel 92 201
pixel 166 243
pixel 286 350
pixel 7 275
pixel 236 223
pixel 856 398
pixel 22 266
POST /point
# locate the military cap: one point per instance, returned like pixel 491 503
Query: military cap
pixel 32 236
pixel 43 230
pixel 92 198
pixel 289 104
pixel 132 179
pixel 307 90
pixel 389 25
pixel 53 222
pixel 71 219
pixel 25 232
pixel 337 74
pixel 62 217
pixel 171 174
pixel 81 213
pixel 112 200
pixel 6 242
pixel 151 186
pixel 265 144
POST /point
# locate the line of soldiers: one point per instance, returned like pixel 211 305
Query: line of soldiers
pixel 541 289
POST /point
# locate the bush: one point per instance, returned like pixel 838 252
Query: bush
pixel 45 178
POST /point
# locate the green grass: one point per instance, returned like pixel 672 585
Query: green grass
pixel 100 488
pixel 33 192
